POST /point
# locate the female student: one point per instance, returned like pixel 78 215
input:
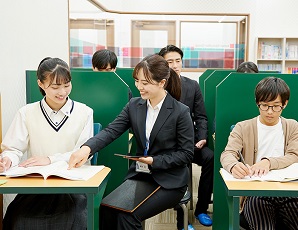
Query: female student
pixel 48 131
pixel 163 130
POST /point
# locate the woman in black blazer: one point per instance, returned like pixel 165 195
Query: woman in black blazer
pixel 163 130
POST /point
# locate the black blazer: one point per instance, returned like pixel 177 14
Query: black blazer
pixel 171 139
pixel 191 96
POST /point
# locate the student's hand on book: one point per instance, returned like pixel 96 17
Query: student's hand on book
pixel 146 160
pixel 78 158
pixel 240 170
pixel 5 164
pixel 35 161
pixel 260 168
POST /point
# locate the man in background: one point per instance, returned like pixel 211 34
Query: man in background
pixel 192 97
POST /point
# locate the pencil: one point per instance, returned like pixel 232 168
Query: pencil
pixel 242 159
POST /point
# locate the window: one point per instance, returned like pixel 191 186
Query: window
pixel 208 41
pixel 87 36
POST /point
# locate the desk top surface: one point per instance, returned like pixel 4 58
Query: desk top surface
pixel 38 184
pixel 261 188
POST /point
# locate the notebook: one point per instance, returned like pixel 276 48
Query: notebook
pixel 130 195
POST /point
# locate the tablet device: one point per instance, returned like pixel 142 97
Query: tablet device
pixel 128 156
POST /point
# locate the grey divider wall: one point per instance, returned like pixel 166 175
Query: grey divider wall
pixel 106 94
pixel 235 102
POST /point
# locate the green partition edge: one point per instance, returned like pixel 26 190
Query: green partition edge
pixel 106 94
pixel 235 102
pixel 210 89
pixel 202 79
pixel 126 75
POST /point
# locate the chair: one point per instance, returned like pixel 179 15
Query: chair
pixel 96 128
pixel 190 186
pixel 183 204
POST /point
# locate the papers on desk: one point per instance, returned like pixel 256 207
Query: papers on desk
pixel 281 175
pixel 85 172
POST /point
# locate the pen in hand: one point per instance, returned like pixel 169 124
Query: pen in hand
pixel 242 160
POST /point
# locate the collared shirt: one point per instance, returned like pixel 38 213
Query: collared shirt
pixel 57 118
pixel 152 114
pixel 17 140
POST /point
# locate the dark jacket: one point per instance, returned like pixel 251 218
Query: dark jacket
pixel 171 139
pixel 191 96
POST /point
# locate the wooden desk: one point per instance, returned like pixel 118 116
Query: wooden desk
pixel 235 189
pixel 94 189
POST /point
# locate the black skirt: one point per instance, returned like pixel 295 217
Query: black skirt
pixel 46 212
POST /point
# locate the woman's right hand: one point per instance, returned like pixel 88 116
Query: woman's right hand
pixel 5 164
pixel 78 158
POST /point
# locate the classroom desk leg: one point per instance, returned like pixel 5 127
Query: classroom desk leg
pixel 91 211
pixel 1 210
pixel 93 206
pixel 233 204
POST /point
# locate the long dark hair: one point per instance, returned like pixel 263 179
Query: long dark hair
pixel 53 68
pixel 156 68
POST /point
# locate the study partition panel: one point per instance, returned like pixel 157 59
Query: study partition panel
pixel 32 90
pixel 126 75
pixel 202 78
pixel 235 102
pixel 210 84
pixel 106 94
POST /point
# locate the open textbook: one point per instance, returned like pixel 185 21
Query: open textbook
pixel 58 168
pixel 289 173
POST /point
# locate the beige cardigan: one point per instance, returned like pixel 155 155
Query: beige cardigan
pixel 244 137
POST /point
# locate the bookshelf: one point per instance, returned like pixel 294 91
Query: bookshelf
pixel 277 54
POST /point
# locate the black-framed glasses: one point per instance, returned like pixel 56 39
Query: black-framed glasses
pixel 275 108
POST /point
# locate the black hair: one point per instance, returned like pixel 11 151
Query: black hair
pixel 170 48
pixel 269 88
pixel 101 59
pixel 156 68
pixel 247 67
pixel 53 68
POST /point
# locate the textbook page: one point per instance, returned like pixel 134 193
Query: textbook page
pixel 59 169
pixel 289 173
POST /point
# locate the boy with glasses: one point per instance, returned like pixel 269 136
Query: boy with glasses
pixel 267 142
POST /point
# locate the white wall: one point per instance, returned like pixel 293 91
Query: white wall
pixel 189 6
pixel 30 31
pixel 33 29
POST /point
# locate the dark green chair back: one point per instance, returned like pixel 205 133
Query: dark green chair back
pixel 235 102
